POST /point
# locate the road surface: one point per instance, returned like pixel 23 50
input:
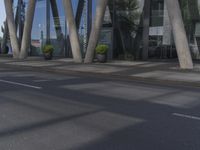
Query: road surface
pixel 46 111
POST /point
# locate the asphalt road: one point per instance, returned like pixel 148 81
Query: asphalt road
pixel 45 111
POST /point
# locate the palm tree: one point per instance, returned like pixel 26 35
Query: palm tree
pixel 12 27
pixel 5 36
pixel 96 29
pixel 191 16
pixel 179 33
pixel 195 18
pixel 127 17
pixel 73 34
pixel 26 39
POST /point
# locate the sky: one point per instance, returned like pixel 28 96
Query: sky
pixel 2 14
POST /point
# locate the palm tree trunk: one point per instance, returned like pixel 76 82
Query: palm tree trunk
pixel 12 28
pixel 26 39
pixel 73 35
pixel 96 29
pixel 179 34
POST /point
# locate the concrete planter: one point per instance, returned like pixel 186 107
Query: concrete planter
pixel 102 58
pixel 48 56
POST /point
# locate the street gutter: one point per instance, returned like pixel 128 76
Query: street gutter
pixel 111 76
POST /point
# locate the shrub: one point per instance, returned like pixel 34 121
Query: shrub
pixel 101 49
pixel 48 48
pixel 6 50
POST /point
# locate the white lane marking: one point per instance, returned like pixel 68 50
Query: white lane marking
pixel 187 116
pixel 20 84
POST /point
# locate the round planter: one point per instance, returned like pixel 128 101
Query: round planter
pixel 48 56
pixel 101 58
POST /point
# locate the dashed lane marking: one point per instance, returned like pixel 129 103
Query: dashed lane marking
pixel 186 116
pixel 21 84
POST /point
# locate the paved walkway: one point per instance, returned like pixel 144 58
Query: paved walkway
pixel 148 70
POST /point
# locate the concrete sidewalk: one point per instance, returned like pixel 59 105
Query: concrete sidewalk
pixel 161 71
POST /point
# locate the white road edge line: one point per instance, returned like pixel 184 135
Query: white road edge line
pixel 186 116
pixel 20 84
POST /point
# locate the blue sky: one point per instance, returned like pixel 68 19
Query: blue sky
pixel 2 11
pixel 2 14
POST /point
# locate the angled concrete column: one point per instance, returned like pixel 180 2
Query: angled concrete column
pixel 12 28
pixel 79 13
pixel 179 34
pixel 26 39
pixel 89 18
pixel 167 28
pixel 96 29
pixel 73 35
pixel 56 19
pixel 48 22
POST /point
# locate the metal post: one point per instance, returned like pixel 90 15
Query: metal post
pixel 89 18
pixel 20 21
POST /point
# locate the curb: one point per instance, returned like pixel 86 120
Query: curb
pixel 111 76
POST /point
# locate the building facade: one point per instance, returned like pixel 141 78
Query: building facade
pixel 133 29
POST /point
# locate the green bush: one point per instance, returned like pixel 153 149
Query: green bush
pixel 101 49
pixel 48 48
pixel 6 50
